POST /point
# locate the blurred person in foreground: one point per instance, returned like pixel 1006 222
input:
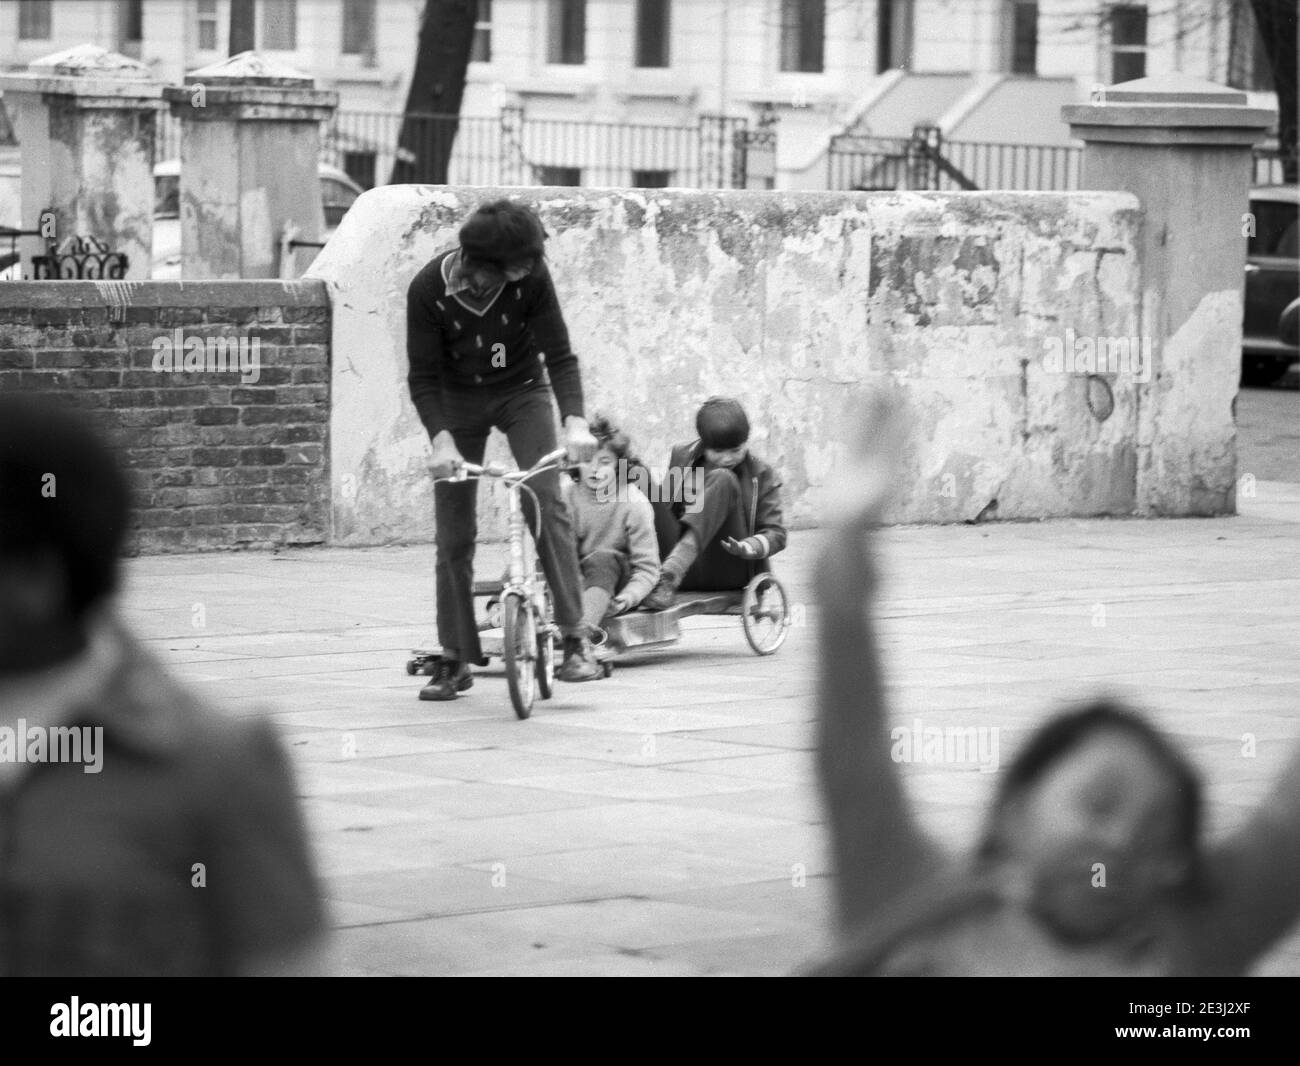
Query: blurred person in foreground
pixel 1098 790
pixel 141 833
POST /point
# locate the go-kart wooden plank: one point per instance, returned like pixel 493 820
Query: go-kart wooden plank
pixel 642 628
pixel 691 603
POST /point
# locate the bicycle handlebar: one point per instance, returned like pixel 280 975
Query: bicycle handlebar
pixel 467 470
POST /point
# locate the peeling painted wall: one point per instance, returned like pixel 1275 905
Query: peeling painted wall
pixel 794 303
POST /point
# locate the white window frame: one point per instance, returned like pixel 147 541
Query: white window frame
pixel 1113 49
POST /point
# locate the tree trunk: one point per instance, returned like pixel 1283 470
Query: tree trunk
pixel 437 88
pixel 1277 26
pixel 242 34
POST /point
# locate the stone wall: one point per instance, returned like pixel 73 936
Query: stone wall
pixel 979 311
pixel 216 394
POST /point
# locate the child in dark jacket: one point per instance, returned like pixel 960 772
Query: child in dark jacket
pixel 718 516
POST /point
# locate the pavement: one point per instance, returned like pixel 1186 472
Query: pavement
pixel 665 821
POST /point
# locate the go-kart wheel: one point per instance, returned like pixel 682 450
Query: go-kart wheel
pixel 764 613
pixel 411 667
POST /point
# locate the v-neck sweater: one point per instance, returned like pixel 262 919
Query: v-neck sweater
pixel 459 341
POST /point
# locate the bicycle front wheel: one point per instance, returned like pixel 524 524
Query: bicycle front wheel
pixel 519 651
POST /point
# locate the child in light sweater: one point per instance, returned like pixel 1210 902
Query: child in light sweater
pixel 615 529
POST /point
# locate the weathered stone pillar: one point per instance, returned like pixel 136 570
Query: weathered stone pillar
pixel 250 149
pixel 1183 147
pixel 86 120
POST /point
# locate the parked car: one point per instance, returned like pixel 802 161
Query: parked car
pixel 1272 282
pixel 1288 326
pixel 337 190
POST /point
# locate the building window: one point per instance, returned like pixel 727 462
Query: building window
pixel 893 35
pixel 481 50
pixel 652 29
pixel 130 23
pixel 1128 43
pixel 652 179
pixel 279 25
pixel 803 35
pixel 567 38
pixel 34 20
pixel 1022 26
pixel 207 25
pixel 559 175
pixel 359 29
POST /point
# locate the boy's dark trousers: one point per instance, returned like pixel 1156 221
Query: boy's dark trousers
pixel 714 515
pixel 526 416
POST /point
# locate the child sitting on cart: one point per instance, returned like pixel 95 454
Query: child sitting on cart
pixel 614 527
pixel 719 517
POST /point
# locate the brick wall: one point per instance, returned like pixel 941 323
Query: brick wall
pixel 226 443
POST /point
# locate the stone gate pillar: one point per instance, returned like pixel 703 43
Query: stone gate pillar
pixel 250 149
pixel 86 120
pixel 1183 147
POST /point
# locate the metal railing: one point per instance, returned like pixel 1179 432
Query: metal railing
pixel 717 152
pixel 1269 166
pixel 512 148
pixel 927 161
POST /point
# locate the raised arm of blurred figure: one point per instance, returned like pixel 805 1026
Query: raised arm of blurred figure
pixel 1252 883
pixel 878 848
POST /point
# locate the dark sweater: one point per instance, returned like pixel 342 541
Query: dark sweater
pixel 461 342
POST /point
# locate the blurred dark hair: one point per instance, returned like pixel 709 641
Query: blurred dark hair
pixel 61 492
pixel 1065 733
pixel 722 423
pixel 504 234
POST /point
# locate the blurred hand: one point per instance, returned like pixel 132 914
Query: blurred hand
pixel 749 548
pixel 617 605
pixel 578 440
pixel 447 459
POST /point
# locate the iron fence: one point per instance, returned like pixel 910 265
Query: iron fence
pixel 927 161
pixel 717 152
pixel 512 148
pixel 1270 166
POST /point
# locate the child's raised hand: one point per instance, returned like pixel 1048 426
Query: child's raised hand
pixel 861 483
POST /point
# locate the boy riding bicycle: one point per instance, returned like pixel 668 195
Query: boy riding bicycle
pixel 480 318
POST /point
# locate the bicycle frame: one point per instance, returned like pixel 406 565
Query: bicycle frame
pixel 521 541
pixel 528 630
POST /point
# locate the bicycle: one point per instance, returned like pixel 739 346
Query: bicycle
pixel 528 629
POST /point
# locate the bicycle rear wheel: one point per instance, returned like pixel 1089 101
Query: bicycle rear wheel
pixel 519 651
